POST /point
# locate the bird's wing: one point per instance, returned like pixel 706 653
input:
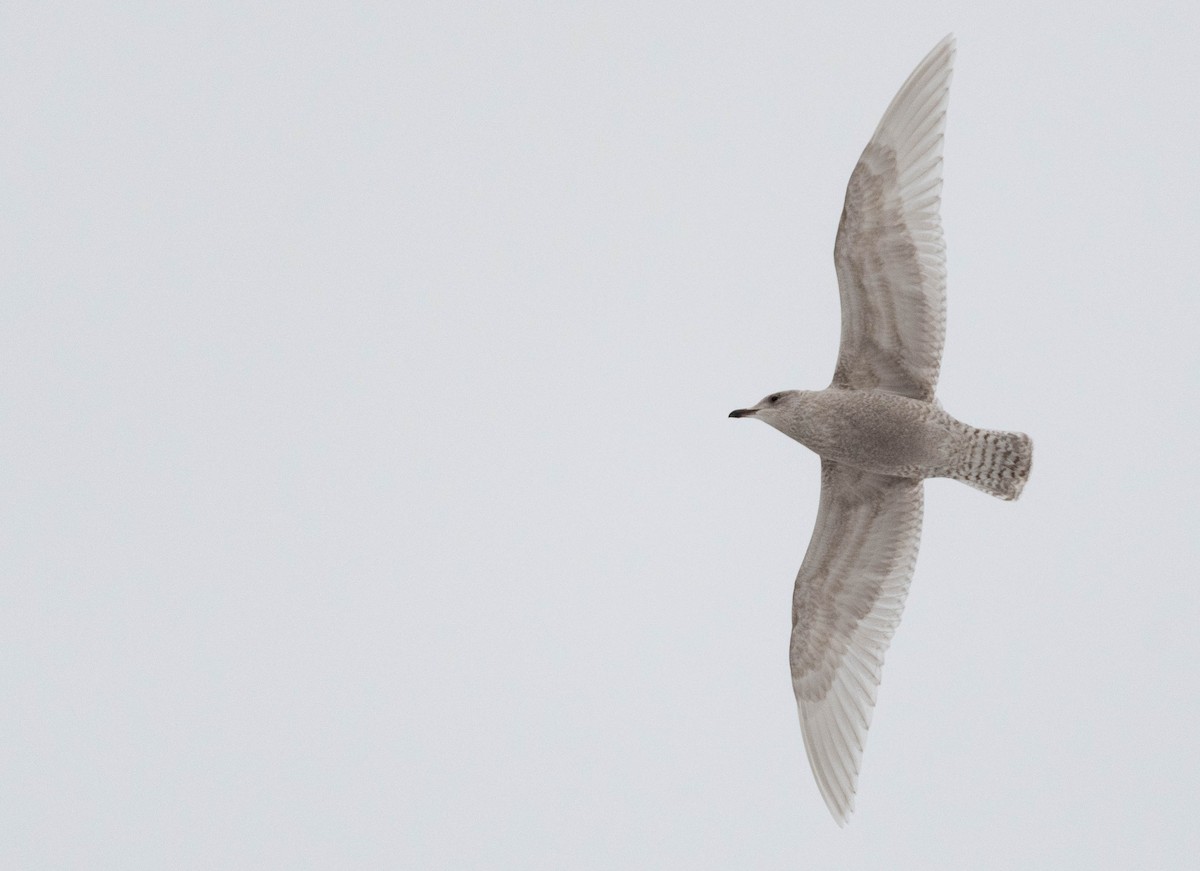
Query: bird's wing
pixel 849 597
pixel 889 253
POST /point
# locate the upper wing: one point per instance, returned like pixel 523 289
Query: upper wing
pixel 849 597
pixel 889 253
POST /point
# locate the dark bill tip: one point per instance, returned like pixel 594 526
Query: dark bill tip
pixel 741 412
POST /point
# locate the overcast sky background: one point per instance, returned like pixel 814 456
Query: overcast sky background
pixel 369 499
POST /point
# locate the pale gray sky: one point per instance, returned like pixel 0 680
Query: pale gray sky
pixel 369 496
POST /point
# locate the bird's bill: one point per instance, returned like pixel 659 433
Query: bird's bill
pixel 743 412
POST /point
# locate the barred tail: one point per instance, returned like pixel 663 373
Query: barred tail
pixel 997 462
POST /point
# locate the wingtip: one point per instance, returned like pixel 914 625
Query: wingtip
pixel 915 118
pixel 943 54
pixel 841 816
pixel 947 45
pixel 949 41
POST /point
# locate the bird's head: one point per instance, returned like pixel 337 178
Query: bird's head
pixel 781 410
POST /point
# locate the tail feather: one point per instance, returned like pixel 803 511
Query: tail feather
pixel 997 462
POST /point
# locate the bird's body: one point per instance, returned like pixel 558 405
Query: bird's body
pixel 896 435
pixel 870 430
pixel 879 430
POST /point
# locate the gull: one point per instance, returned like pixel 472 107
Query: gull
pixel 879 430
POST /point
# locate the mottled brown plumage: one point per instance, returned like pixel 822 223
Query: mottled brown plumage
pixel 879 430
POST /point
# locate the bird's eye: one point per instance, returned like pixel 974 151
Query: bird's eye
pixel 773 398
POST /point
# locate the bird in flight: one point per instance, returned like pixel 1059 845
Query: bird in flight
pixel 879 430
